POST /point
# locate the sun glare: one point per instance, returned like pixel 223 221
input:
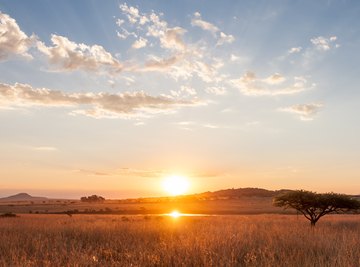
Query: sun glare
pixel 175 214
pixel 176 185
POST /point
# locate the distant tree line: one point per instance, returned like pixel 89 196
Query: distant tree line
pixel 93 198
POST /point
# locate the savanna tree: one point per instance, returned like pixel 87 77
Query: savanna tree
pixel 313 205
pixel 93 198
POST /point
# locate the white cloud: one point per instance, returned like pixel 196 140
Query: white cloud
pixel 274 79
pixel 68 56
pixel 140 43
pixel 13 41
pixel 216 90
pixel 305 111
pixel 294 50
pixel 224 38
pixel 131 12
pixel 324 44
pixel 185 91
pixel 250 85
pixel 91 104
pixel 172 39
pixel 120 22
pixel 206 26
pixel 188 90
pixel 158 64
pixel 124 34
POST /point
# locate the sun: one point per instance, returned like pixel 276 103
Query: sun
pixel 176 185
pixel 175 214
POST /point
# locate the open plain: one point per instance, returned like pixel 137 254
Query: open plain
pixel 226 240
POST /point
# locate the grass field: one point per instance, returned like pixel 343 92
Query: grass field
pixel 244 205
pixel 237 240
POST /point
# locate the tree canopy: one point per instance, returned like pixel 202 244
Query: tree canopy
pixel 93 198
pixel 313 205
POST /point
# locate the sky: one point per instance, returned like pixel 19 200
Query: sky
pixel 111 97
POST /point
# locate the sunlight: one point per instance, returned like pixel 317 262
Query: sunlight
pixel 175 214
pixel 176 185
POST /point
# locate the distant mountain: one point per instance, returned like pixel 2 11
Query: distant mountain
pixel 22 197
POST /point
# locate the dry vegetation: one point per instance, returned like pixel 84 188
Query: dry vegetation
pixel 244 205
pixel 110 240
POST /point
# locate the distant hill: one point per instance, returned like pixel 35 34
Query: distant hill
pixel 241 192
pixel 22 197
pixel 225 194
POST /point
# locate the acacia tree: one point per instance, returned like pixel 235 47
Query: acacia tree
pixel 313 206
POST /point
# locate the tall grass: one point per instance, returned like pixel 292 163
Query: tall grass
pixel 255 240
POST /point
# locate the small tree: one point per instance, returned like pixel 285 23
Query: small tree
pixel 313 206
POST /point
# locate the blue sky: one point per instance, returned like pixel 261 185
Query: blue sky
pixel 114 96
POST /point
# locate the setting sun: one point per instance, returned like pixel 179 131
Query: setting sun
pixel 175 214
pixel 176 185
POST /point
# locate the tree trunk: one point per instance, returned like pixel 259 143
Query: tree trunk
pixel 312 223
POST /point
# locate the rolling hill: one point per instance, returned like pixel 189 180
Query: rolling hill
pixel 21 197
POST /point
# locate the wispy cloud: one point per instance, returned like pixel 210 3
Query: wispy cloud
pixel 306 112
pixel 91 104
pixel 206 26
pixel 13 41
pixel 44 148
pixel 222 37
pixel 216 90
pixel 250 85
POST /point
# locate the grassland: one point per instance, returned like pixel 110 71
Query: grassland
pixel 244 205
pixel 237 240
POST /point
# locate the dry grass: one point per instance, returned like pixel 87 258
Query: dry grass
pixel 254 240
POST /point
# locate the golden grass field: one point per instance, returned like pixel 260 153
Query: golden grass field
pixel 235 240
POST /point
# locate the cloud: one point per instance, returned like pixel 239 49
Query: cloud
pixel 216 90
pixel 160 64
pixel 45 148
pixel 140 43
pixel 68 56
pixel 124 34
pixel 172 39
pixel 305 111
pixel 222 37
pixel 185 91
pixel 294 50
pixel 250 85
pixel 13 41
pixel 181 60
pixel 324 44
pixel 206 26
pixel 131 12
pixel 98 105
pixel 275 79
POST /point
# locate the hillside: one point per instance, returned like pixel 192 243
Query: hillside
pixel 22 197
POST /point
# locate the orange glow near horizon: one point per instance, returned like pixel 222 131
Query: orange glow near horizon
pixel 175 214
pixel 176 185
